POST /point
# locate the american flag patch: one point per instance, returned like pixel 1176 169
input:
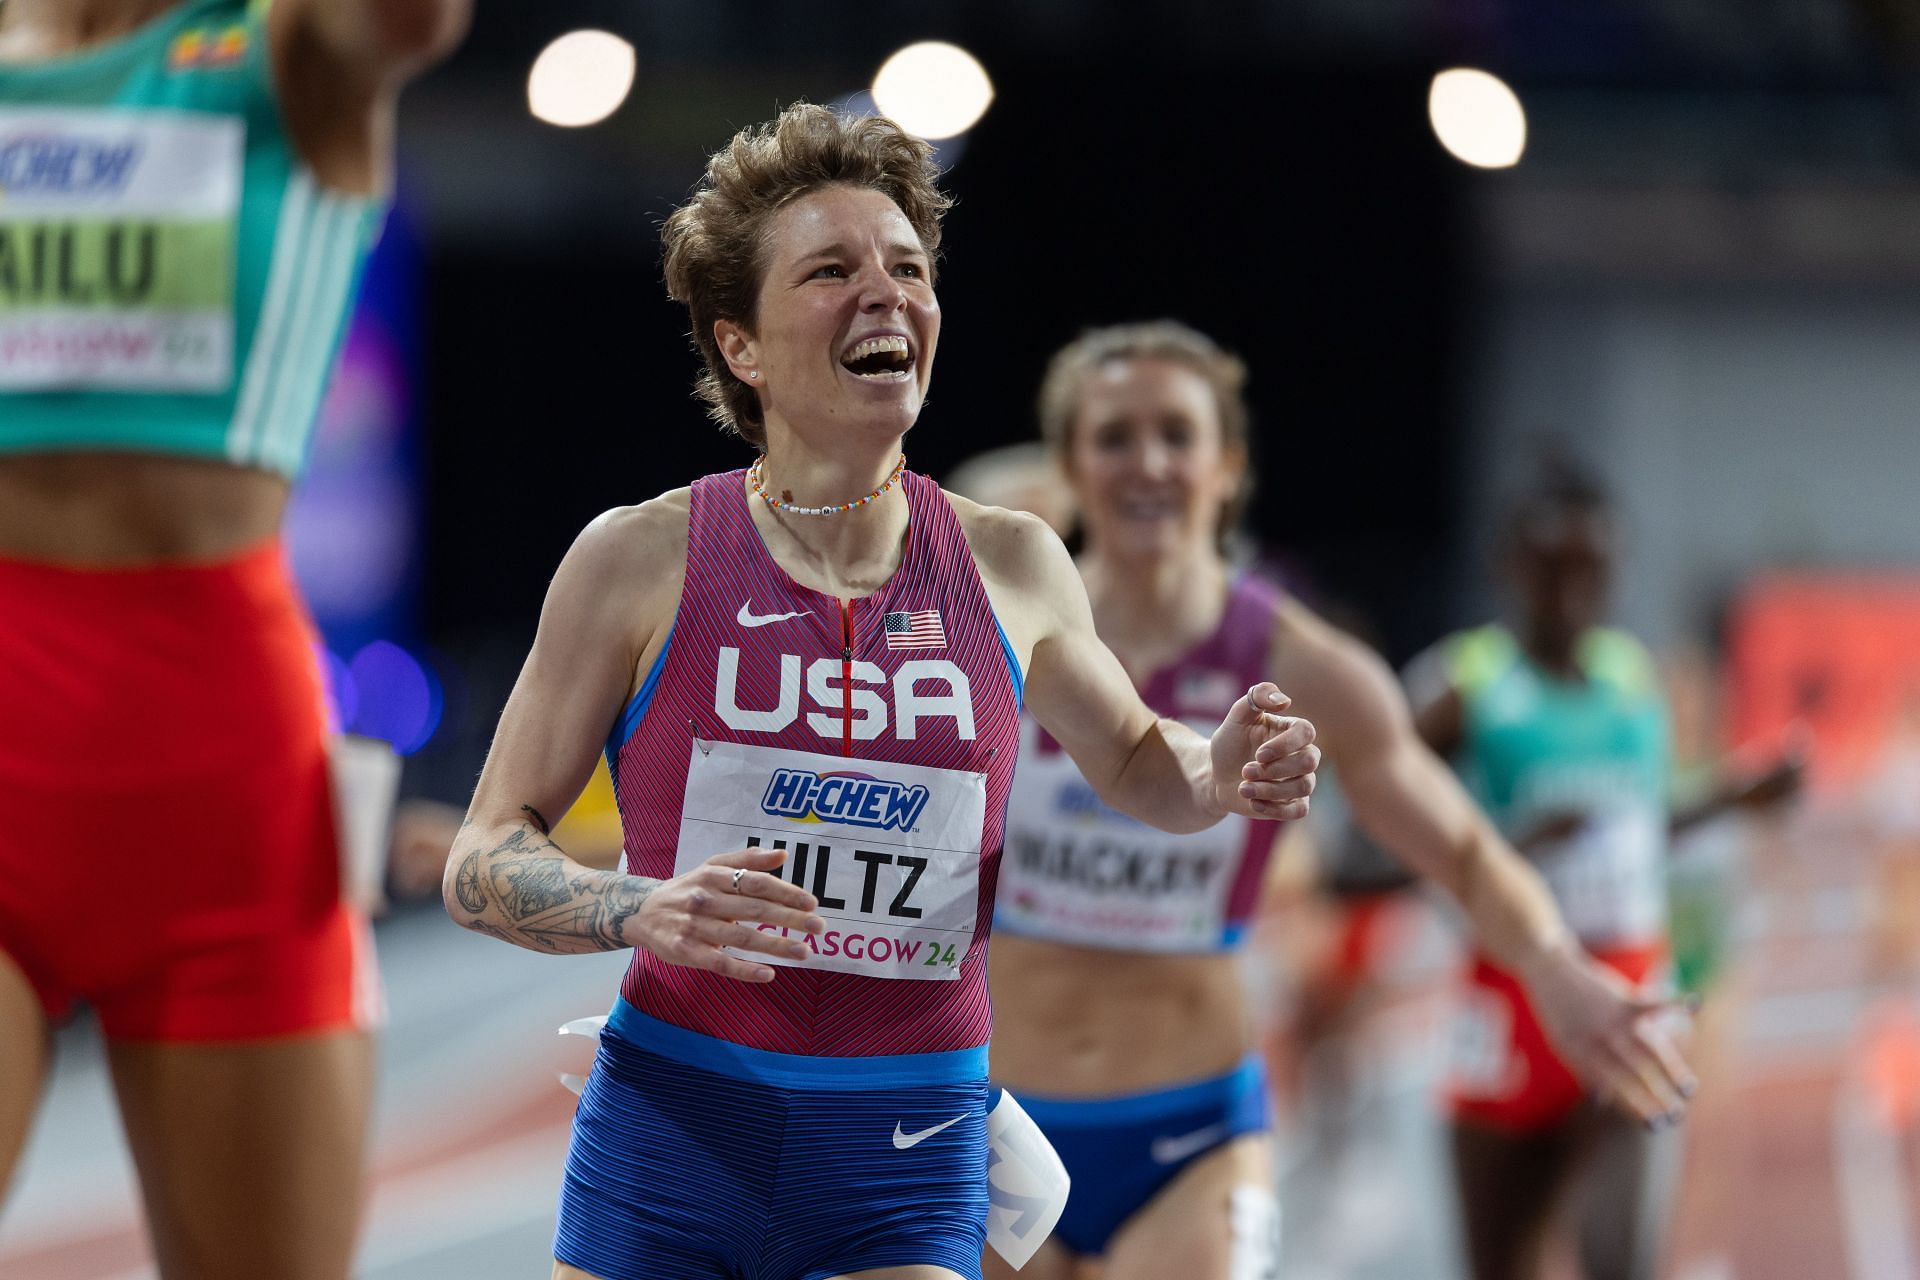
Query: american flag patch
pixel 919 629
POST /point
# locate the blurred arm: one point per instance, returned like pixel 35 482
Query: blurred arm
pixel 1773 787
pixel 338 67
pixel 1408 801
pixel 1439 717
pixel 372 42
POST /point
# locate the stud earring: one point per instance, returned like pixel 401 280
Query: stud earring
pixel 753 373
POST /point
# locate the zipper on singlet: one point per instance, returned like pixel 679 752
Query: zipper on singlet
pixel 846 678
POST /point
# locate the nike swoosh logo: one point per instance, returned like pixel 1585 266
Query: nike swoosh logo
pixel 747 618
pixel 903 1140
pixel 1174 1150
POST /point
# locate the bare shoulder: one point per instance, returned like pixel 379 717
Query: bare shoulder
pixel 1011 547
pixel 641 535
pixel 1304 638
pixel 634 555
pixel 1330 674
pixel 1029 577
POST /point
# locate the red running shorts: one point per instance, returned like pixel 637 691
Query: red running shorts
pixel 1507 1074
pixel 167 847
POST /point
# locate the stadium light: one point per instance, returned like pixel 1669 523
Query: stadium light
pixel 1477 118
pixel 933 90
pixel 581 78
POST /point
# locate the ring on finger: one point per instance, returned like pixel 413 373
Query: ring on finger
pixel 737 873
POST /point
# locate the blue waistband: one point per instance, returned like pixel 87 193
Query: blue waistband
pixel 794 1070
pixel 1249 1078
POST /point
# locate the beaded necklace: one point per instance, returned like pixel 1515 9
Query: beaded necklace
pixel 756 480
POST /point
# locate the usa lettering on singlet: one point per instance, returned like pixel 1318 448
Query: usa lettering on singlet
pixel 1480 1054
pixel 1077 872
pixel 872 740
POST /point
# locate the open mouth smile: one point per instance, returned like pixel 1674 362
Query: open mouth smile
pixel 884 358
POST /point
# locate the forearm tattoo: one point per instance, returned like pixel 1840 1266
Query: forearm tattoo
pixel 524 890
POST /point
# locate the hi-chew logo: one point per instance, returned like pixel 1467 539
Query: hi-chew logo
pixel 50 164
pixel 851 799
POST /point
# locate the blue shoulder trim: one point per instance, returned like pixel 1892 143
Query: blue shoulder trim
pixel 630 718
pixel 1013 665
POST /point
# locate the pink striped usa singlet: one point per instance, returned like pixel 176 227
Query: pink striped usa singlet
pixel 890 800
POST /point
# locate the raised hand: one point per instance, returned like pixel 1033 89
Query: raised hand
pixel 1263 761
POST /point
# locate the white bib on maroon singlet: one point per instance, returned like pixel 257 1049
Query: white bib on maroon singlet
pixel 1075 871
pixel 892 851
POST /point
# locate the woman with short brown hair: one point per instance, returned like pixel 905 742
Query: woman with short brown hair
pixel 812 670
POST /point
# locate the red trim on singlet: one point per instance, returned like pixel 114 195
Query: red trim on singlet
pixel 846 679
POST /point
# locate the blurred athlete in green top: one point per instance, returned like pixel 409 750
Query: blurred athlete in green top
pixel 187 194
pixel 1560 727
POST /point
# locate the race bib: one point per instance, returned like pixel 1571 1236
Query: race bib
pixel 891 851
pixel 1075 871
pixel 1609 877
pixel 117 248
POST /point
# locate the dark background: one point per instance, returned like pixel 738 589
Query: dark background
pixel 1332 261
pixel 1264 172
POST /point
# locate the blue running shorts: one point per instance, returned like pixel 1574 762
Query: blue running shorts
pixel 1122 1151
pixel 696 1159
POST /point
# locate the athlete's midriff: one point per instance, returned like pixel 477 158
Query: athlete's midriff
pixel 1082 1022
pixel 123 509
